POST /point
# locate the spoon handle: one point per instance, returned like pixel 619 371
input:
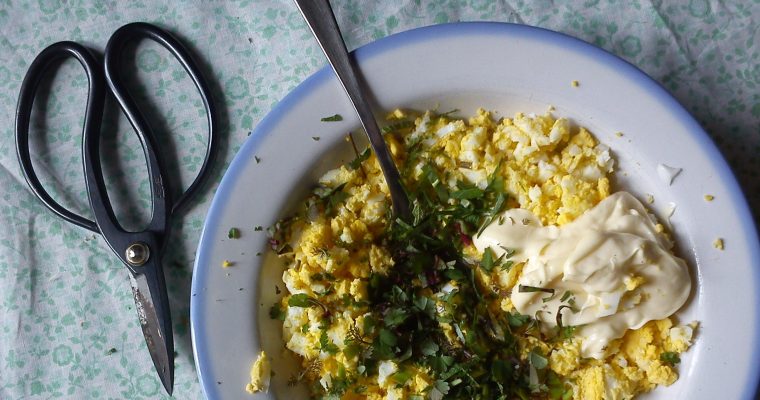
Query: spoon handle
pixel 320 18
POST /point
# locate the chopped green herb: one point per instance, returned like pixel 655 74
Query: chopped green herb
pixel 331 198
pixel 429 347
pixel 517 320
pixel 387 337
pixel 549 298
pixel 567 332
pixel 401 377
pixel 398 126
pixel 439 390
pixel 333 118
pixel 276 312
pixel 315 138
pixel 507 265
pixel 355 336
pixel 258 228
pixel 325 344
pixel 395 317
pixel 487 261
pixel 537 360
pixel 532 289
pixel 304 300
pixel 670 357
pixel 234 233
pixel 258 160
pixel 357 162
pixel 465 194
pixel 564 332
pixel 448 113
pixel 110 351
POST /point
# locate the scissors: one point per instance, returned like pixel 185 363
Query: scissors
pixel 140 252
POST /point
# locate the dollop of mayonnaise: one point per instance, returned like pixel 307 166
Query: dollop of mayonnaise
pixel 610 267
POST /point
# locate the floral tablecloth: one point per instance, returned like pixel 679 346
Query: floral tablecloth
pixel 68 327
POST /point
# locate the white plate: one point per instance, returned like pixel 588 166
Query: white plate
pixel 507 68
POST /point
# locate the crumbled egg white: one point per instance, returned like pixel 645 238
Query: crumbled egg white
pixel 667 173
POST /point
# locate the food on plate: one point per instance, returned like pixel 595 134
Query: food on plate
pixel 261 372
pixel 667 173
pixel 607 261
pixel 520 275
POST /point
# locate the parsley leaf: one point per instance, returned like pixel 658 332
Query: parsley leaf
pixel 487 261
pixel 332 197
pixel 332 118
pixel 429 347
pixel 300 300
pixel 304 300
pixel 387 337
pixel 356 163
pixel 517 320
pixel 670 357
pixel 276 312
pixel 440 389
pixel 395 317
pixel 537 360
pixel 325 344
pixel 401 377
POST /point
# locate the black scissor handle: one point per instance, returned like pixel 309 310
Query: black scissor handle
pixel 92 118
pixel 153 237
pixel 113 62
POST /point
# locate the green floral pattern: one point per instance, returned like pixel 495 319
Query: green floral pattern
pixel 67 324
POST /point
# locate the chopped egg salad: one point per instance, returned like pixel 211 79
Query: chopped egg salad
pixel 519 274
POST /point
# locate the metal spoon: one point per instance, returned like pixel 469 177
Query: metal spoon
pixel 320 18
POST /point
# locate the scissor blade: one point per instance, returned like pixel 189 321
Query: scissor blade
pixel 155 321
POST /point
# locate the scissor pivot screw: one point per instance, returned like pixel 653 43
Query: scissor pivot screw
pixel 137 254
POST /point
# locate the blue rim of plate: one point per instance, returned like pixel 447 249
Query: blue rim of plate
pixel 281 110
